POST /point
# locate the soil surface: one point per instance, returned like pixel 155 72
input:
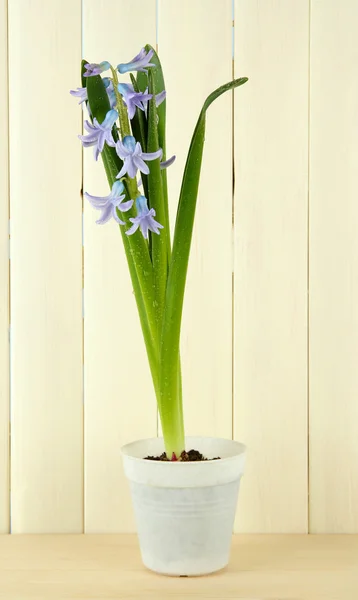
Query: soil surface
pixel 190 456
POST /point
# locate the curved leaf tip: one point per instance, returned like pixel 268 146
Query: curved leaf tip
pixel 222 89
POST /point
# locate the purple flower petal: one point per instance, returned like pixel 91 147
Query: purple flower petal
pixel 140 164
pixel 89 127
pixel 110 91
pixel 99 133
pixel 106 215
pixel 133 158
pixel 110 119
pixel 159 98
pixel 139 56
pixel 122 172
pixel 86 143
pixel 109 204
pixel 133 229
pixel 144 227
pixel 132 99
pixel 116 217
pixel 152 155
pixel 166 163
pixel 138 62
pixel 144 219
pixel 131 167
pixel 122 150
pixel 124 206
pixel 97 201
pixel 80 93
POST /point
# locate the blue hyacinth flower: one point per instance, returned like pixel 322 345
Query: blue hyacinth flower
pixel 109 204
pixel 138 62
pixel 133 157
pixel 99 133
pixel 81 93
pixel 144 219
pixel 96 69
pixel 132 99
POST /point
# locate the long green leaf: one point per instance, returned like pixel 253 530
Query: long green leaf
pixel 170 338
pixel 155 188
pixel 159 85
pixel 158 78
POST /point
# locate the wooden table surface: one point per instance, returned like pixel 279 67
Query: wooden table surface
pixel 262 567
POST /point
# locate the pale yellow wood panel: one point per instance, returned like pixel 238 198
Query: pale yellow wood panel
pixel 194 42
pixel 46 279
pixel 120 404
pixel 271 199
pixel 334 268
pixel 296 567
pixel 4 276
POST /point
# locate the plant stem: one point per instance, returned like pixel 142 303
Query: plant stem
pixel 171 413
pixel 122 111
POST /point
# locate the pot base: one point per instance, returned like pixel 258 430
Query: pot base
pixel 185 531
pixel 195 574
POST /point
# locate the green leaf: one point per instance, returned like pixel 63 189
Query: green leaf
pixel 97 97
pixel 170 338
pixel 158 77
pixel 83 69
pixel 155 189
pixel 159 85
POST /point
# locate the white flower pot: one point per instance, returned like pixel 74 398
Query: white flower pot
pixel 185 510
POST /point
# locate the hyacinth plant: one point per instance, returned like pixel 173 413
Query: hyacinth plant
pixel 126 126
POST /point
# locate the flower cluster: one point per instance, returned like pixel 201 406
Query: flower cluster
pixel 128 148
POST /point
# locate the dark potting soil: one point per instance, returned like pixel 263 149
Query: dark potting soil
pixel 191 456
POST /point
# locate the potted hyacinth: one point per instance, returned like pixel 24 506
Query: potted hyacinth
pixel 184 500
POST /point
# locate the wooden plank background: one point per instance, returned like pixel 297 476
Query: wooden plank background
pixel 46 261
pixel 262 361
pixel 207 317
pixel 271 199
pixel 334 268
pixel 4 276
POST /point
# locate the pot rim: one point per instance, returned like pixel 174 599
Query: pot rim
pixel 240 449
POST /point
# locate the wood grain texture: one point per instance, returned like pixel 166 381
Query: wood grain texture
pixel 271 196
pixel 286 567
pixel 120 404
pixel 4 276
pixel 334 268
pixel 194 43
pixel 46 315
